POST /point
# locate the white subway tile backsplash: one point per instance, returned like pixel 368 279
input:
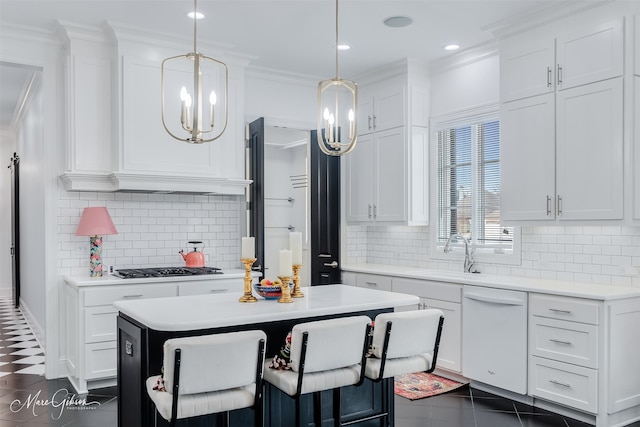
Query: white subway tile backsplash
pixel 607 255
pixel 152 228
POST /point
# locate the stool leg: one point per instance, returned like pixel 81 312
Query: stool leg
pixel 297 411
pixel 317 408
pixel 337 407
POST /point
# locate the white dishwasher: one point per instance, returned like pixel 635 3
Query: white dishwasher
pixel 494 337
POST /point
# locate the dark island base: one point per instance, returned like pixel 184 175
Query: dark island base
pixel 140 356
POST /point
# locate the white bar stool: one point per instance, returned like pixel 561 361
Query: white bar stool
pixel 211 374
pixel 325 355
pixel 404 342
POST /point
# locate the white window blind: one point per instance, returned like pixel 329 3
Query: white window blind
pixel 469 186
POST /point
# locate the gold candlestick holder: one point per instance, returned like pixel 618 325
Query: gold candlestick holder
pixel 297 293
pixel 248 295
pixel 286 291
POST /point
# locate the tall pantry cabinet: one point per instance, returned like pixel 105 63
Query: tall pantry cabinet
pixel 387 174
pixel 562 124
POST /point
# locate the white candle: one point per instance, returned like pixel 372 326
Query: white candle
pixel 295 244
pixel 285 263
pixel 248 248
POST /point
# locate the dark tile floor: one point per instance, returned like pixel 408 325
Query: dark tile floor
pixel 27 399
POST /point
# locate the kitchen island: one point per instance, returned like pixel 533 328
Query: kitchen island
pixel 144 325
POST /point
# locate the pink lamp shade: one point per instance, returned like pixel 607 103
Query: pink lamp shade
pixel 95 221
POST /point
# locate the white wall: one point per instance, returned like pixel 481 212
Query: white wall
pixel 7 148
pixel 30 148
pixel 282 99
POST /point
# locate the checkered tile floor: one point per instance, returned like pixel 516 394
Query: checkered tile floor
pixel 20 353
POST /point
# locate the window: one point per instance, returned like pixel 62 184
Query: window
pixel 468 185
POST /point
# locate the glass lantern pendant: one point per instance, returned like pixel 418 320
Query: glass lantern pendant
pixel 200 120
pixel 337 103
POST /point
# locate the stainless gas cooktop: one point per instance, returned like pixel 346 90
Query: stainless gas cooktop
pixel 137 273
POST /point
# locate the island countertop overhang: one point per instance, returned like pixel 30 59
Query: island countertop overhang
pixel 188 313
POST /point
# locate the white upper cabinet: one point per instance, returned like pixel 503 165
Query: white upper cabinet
pixel 526 67
pixel 387 174
pixel 381 107
pixel 533 65
pixel 562 125
pixel 528 158
pixel 590 54
pixel 589 149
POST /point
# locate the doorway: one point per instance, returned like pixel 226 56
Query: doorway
pixel 296 188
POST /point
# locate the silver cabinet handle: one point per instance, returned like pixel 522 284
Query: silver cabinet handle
pixel 560 341
pixel 548 205
pixel 369 118
pixel 559 75
pixel 132 296
pixel 558 310
pixel 375 211
pixel 560 384
pixel 548 76
pixel 375 125
pixel 218 291
pixel 333 264
pixel 559 207
pixel 369 211
pixel 371 283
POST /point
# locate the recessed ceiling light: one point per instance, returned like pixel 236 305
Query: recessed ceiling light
pixel 197 15
pixel 343 47
pixel 398 21
pixel 452 47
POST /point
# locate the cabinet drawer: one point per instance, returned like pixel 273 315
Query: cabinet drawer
pixel 100 323
pixel 382 283
pixel 211 287
pixel 108 295
pixel 429 289
pixel 569 342
pixel 100 360
pixel 565 384
pixel 573 309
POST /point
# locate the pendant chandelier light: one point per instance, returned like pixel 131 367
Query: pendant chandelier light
pixel 337 101
pixel 194 128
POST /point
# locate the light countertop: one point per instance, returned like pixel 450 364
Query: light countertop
pixel 187 313
pixel 81 281
pixel 554 287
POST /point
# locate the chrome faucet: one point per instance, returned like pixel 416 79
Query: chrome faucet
pixel 468 252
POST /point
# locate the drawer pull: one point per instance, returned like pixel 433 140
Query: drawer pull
pixel 371 283
pixel 218 291
pixel 132 296
pixel 558 310
pixel 560 341
pixel 560 384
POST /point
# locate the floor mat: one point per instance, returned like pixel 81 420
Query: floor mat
pixel 421 385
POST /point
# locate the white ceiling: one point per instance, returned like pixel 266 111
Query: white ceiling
pixel 293 35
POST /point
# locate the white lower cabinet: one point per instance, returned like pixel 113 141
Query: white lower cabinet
pixel 372 281
pixel 91 330
pixel 211 287
pixel 446 297
pixel 583 355
pixel 563 348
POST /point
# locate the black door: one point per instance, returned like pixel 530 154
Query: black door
pixel 325 215
pixel 255 195
pixel 15 228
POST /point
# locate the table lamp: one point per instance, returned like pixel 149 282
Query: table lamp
pixel 95 222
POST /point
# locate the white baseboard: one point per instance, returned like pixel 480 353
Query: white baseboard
pixel 37 330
